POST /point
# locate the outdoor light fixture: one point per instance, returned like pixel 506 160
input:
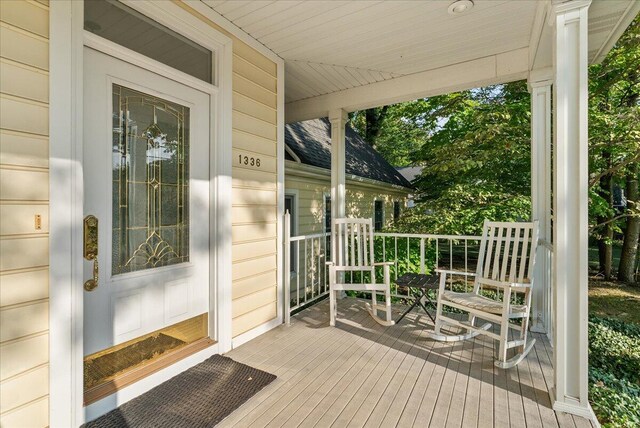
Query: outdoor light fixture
pixel 459 7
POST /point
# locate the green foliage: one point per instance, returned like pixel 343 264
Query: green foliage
pixel 614 371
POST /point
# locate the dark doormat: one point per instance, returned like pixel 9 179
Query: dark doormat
pixel 201 396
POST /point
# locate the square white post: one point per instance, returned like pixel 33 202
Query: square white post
pixel 540 82
pixel 338 119
pixel 570 229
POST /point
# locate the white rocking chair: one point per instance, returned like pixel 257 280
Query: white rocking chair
pixel 505 263
pixel 352 243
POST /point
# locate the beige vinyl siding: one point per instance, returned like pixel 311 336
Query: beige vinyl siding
pixel 24 193
pixel 359 202
pixel 254 210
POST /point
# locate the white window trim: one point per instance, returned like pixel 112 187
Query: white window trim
pixel 66 203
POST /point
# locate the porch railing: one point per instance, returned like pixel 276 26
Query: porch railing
pixel 307 280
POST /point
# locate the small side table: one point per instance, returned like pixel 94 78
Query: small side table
pixel 419 286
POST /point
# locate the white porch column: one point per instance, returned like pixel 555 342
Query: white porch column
pixel 569 20
pixel 540 82
pixel 338 119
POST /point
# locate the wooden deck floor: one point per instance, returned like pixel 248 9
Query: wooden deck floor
pixel 362 374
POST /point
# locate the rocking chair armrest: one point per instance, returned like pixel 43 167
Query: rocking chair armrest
pixel 454 272
pixel 383 264
pixel 505 284
pixel 329 263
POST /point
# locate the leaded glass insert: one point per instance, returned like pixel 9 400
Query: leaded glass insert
pixel 150 181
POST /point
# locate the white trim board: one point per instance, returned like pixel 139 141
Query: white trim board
pixel 255 332
pixel 66 188
pixel 501 68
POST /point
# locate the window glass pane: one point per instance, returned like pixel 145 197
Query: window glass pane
pixel 377 220
pixel 150 181
pixel 129 28
pixel 327 214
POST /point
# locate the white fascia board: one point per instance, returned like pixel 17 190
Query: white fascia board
pixel 625 20
pixel 501 68
pixel 304 170
pixel 200 7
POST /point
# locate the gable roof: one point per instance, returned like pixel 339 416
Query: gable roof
pixel 311 142
pixel 410 172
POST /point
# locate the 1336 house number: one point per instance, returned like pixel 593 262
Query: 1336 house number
pixel 249 160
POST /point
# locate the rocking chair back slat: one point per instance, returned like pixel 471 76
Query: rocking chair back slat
pixel 355 242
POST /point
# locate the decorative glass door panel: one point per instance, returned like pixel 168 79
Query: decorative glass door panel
pixel 150 181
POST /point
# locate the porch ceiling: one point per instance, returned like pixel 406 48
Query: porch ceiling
pixel 334 46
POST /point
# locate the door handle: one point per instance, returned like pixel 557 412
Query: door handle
pixel 90 236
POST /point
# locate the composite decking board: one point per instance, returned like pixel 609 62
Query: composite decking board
pixel 485 412
pixel 472 397
pixel 302 380
pixel 401 400
pixel 564 419
pixel 412 407
pixel 377 403
pixel 263 400
pixel 371 375
pixel 322 398
pixel 280 416
pixel 330 406
pixel 366 389
pixel 529 398
pixel 459 395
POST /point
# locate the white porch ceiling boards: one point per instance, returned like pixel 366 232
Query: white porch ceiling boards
pixel 334 46
pixel 329 46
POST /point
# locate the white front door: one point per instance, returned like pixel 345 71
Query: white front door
pixel 146 180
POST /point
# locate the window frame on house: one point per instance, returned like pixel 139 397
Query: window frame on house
pixel 378 225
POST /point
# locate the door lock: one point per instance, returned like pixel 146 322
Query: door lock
pixel 91 249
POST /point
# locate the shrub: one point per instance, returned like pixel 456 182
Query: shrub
pixel 614 371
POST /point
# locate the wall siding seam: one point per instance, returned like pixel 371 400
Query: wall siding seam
pixel 24 304
pixel 24 236
pixel 20 133
pixel 240 94
pixel 250 259
pixel 20 167
pixel 23 270
pixel 236 54
pixel 24 405
pixel 26 372
pixel 253 187
pixel 23 31
pixel 30 100
pixel 244 278
pixel 253 275
pixel 258 119
pixel 242 112
pixel 254 310
pixel 39 4
pixel 254 83
pixel 28 67
pixel 265 140
pixel 238 315
pixel 24 100
pixel 23 338
pixel 7 202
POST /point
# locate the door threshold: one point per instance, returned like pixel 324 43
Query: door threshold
pixel 105 389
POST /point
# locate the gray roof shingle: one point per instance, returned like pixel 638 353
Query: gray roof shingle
pixel 311 142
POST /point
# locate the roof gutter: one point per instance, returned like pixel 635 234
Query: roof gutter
pixel 304 170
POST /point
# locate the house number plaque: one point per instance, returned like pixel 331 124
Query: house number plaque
pixel 248 160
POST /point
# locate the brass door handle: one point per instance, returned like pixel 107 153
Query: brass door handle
pixel 91 249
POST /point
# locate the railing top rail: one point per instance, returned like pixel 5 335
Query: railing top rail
pixel 428 236
pixel 303 237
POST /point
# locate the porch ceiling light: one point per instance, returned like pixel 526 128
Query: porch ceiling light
pixel 459 7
